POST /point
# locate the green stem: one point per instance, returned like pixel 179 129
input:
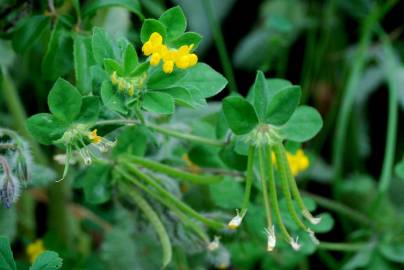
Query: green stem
pixel 173 172
pixel 182 206
pixel 249 179
pixel 282 164
pixel 350 90
pixel 153 193
pixel 274 198
pixel 344 247
pixel 295 190
pixel 220 45
pixel 153 218
pixel 390 70
pixel 165 131
pixel 264 186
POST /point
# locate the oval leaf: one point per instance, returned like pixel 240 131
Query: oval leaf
pixel 175 22
pixel 48 260
pixel 304 124
pixel 282 106
pixel 240 115
pixel 158 102
pixel 64 100
pixel 149 26
pixel 130 59
pixel 45 128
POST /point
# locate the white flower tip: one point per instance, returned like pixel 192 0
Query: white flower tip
pixel 309 217
pixel 313 237
pixel 295 244
pixel 236 220
pixel 214 244
pixel 271 242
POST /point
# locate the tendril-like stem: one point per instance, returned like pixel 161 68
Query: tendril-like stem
pixel 163 130
pixel 282 164
pixel 295 192
pixel 176 173
pixel 249 179
pixel 263 179
pixel 153 218
pixel 153 193
pixel 274 198
pixel 178 203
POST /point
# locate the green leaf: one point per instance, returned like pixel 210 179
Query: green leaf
pixel 95 183
pixel 132 140
pixel 205 156
pixel 260 100
pixel 57 60
pixel 304 124
pixel 175 22
pixel 83 60
pixel 393 252
pixel 45 128
pixel 48 260
pixel 64 100
pixel 227 194
pixel 131 5
pixel 141 68
pixel 200 78
pixel 232 159
pixel 6 255
pixel 111 99
pixel 150 26
pixel 130 59
pixel 28 32
pixel 158 102
pixel 180 95
pixel 240 115
pixel 112 65
pixel 399 169
pixel 102 45
pixel 187 38
pixel 90 109
pixel 326 224
pixel 282 105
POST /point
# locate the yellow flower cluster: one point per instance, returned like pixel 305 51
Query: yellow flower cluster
pixel 298 162
pixel 35 249
pixel 129 84
pixel 181 58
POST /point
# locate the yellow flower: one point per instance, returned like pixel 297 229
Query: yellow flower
pixel 35 249
pixel 101 143
pixel 155 59
pixel 94 137
pixel 298 162
pixel 168 66
pixel 181 58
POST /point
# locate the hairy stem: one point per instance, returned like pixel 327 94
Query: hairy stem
pixel 162 130
pixel 173 172
pixel 264 191
pixel 175 201
pixel 153 218
pixel 274 197
pixel 249 179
